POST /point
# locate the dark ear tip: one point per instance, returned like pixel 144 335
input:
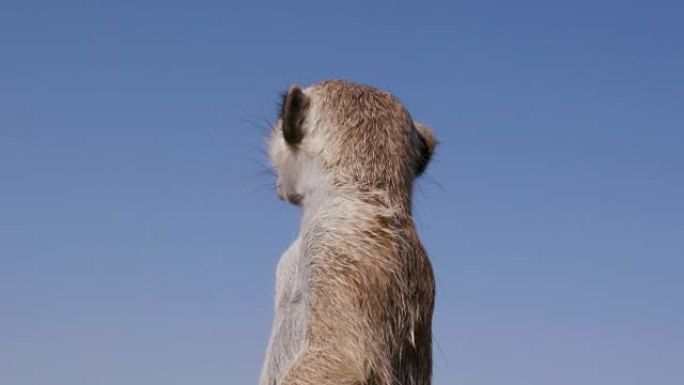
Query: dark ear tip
pixel 293 113
pixel 428 144
pixel 295 91
pixel 286 98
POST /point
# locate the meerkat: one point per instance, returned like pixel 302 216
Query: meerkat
pixel 355 291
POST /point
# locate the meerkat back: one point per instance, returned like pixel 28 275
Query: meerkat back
pixel 355 291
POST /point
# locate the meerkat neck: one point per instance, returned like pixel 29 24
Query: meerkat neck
pixel 333 202
pixel 331 196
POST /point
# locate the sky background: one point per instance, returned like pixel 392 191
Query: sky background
pixel 139 234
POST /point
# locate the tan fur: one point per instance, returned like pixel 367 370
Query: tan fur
pixel 357 285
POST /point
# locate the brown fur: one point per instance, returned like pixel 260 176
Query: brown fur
pixel 370 282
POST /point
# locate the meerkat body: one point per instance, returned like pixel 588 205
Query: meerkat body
pixel 355 291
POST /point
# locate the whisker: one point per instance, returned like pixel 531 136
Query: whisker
pixel 434 181
pixel 261 187
pixel 260 165
pixel 269 124
pixel 265 130
pixel 441 352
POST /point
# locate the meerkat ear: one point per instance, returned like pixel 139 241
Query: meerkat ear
pixel 292 112
pixel 427 146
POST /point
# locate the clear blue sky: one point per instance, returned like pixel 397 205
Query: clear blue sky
pixel 139 236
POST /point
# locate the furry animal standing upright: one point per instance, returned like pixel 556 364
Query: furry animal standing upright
pixel 355 291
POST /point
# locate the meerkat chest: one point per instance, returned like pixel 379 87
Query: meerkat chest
pixel 291 281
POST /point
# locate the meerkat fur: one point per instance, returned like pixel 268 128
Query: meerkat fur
pixel 355 290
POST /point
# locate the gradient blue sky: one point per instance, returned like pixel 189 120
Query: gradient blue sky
pixel 139 236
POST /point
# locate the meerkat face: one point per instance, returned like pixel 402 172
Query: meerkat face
pixel 287 156
pixel 357 134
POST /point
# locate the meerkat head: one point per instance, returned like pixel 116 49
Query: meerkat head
pixel 351 135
